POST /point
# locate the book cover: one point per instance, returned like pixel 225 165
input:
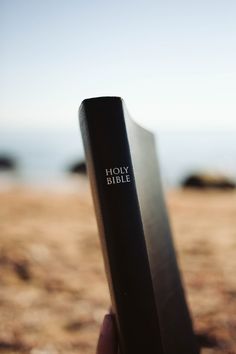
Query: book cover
pixel 144 280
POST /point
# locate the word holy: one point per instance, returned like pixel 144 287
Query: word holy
pixel 117 175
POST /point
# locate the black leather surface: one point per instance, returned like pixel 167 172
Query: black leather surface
pixel 139 257
pixel 175 322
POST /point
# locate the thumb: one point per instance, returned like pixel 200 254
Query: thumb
pixel 107 341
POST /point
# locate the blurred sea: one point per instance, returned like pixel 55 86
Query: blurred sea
pixel 43 157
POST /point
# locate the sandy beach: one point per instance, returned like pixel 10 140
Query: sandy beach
pixel 54 294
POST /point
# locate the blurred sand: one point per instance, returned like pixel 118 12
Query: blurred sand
pixel 53 292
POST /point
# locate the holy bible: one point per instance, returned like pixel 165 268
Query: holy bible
pixel 147 295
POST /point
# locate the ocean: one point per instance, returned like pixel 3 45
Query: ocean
pixel 44 157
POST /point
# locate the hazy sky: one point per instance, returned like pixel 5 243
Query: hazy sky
pixel 174 62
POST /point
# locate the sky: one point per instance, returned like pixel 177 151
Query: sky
pixel 173 62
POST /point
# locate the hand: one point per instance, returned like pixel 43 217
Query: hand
pixel 107 341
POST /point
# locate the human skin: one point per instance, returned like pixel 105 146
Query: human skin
pixel 107 341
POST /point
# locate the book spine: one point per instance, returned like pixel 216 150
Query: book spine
pixel 118 216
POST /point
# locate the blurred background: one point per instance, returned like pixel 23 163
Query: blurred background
pixel 173 63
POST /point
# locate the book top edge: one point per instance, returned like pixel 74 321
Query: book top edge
pixel 101 99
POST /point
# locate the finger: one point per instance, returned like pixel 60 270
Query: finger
pixel 107 341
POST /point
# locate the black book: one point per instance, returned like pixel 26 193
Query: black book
pixel 146 291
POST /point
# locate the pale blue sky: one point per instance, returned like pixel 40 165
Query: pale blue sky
pixel 174 62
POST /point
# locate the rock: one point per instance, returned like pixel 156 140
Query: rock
pixel 208 181
pixel 7 163
pixel 22 270
pixel 6 346
pixel 205 340
pixel 74 326
pixel 78 167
